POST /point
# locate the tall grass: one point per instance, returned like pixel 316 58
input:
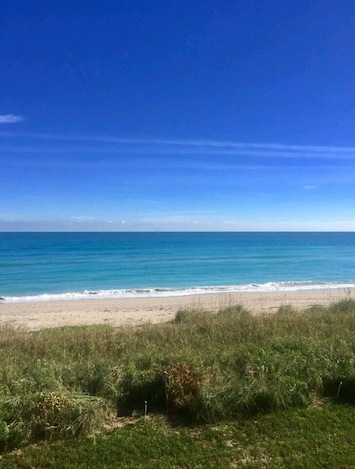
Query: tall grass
pixel 68 381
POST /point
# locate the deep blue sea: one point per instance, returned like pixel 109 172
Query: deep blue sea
pixel 44 266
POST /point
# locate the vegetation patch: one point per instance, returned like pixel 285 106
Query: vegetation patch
pixel 201 368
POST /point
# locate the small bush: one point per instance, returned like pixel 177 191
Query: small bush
pixel 343 306
pixel 48 415
pixel 183 386
pixel 181 316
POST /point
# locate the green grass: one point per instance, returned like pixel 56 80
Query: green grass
pixel 68 382
pixel 319 437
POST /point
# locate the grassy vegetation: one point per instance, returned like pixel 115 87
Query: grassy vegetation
pixel 235 373
pixel 298 438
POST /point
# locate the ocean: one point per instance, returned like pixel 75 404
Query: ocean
pixel 60 266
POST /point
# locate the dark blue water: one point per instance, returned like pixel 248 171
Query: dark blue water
pixel 140 264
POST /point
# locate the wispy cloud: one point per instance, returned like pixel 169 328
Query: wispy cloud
pixel 256 162
pixel 10 118
pixel 180 146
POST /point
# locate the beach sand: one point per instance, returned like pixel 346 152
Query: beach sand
pixel 138 311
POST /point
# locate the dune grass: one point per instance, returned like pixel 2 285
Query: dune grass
pixel 72 381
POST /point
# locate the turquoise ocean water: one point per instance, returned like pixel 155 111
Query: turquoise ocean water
pixel 44 266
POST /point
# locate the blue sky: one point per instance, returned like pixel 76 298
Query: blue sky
pixel 177 115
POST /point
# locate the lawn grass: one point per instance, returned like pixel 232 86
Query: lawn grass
pixel 318 437
pixel 230 367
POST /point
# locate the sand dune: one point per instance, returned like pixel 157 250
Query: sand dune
pixel 136 311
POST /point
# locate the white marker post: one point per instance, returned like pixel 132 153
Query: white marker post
pixel 339 387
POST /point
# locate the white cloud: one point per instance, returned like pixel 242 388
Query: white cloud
pixel 83 219
pixel 197 147
pixel 15 224
pixel 10 118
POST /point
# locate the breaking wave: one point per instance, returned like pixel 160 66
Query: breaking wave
pixel 166 292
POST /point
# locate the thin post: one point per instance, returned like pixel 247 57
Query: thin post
pixel 340 385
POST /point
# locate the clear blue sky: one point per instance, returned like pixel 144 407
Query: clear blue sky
pixel 177 115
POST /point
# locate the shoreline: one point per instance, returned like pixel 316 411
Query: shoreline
pixel 120 312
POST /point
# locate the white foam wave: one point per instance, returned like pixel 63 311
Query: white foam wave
pixel 166 292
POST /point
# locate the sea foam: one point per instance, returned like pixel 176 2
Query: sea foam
pixel 168 292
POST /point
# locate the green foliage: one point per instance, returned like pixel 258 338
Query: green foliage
pixel 62 382
pixel 61 413
pixel 49 415
pixel 318 437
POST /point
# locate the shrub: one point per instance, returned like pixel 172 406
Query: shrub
pixel 183 387
pixel 59 413
pixel 49 414
pixel 343 306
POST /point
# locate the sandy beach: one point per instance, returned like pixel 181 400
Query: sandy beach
pixel 138 311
